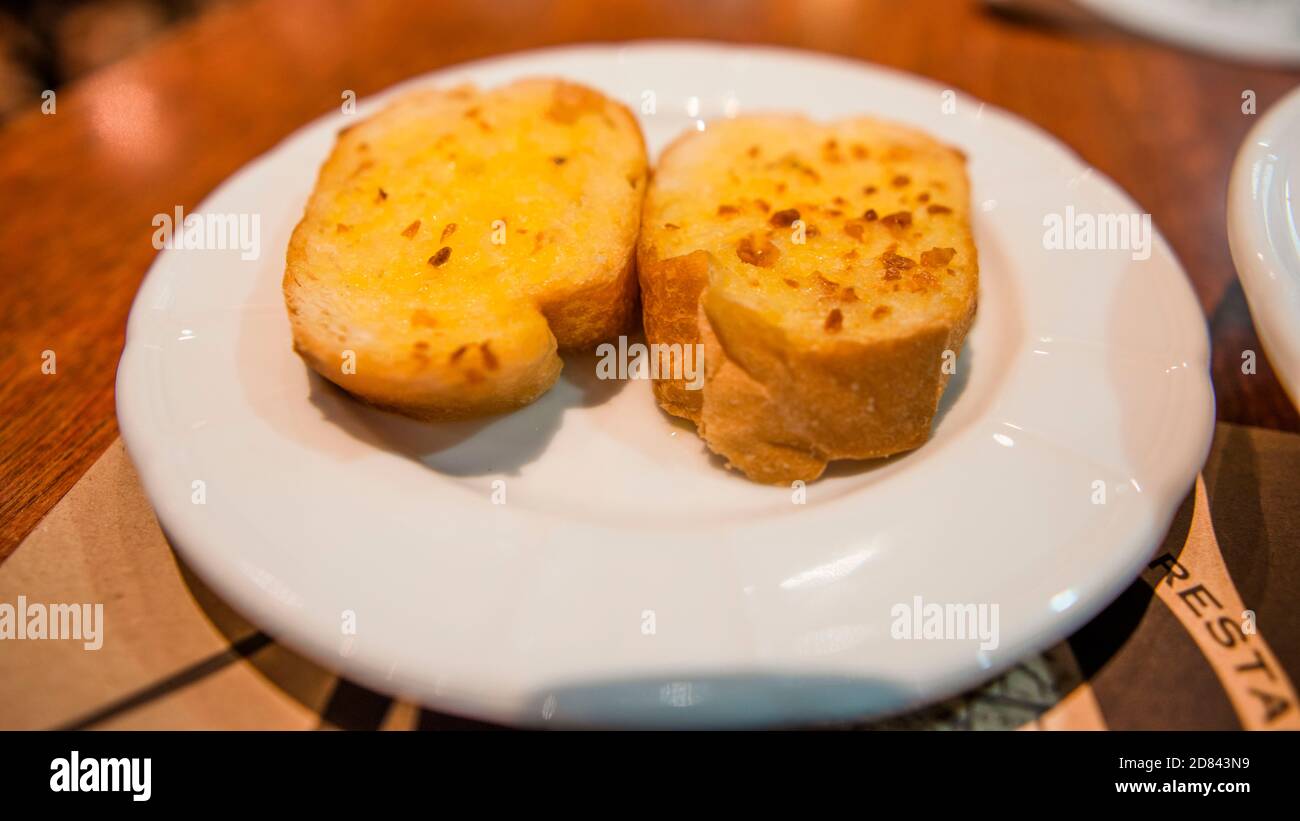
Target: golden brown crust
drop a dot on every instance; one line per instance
(670, 296)
(777, 406)
(583, 317)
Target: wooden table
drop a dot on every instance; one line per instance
(162, 128)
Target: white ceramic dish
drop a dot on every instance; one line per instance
(1258, 31)
(629, 579)
(1265, 234)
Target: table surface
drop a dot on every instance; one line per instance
(162, 128)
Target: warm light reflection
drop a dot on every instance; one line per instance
(127, 120)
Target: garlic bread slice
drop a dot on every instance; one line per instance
(456, 240)
(830, 273)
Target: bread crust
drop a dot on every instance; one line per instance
(774, 405)
(479, 330)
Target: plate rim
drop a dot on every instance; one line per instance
(1193, 36)
(1253, 255)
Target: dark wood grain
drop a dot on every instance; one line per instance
(164, 127)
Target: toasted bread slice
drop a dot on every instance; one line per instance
(826, 269)
(457, 239)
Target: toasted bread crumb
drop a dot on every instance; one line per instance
(899, 219)
(760, 252)
(784, 218)
(489, 358)
(936, 257)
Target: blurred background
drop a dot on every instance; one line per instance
(49, 43)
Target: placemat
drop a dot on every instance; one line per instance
(1184, 647)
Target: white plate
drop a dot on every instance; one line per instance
(629, 579)
(1265, 234)
(1254, 31)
